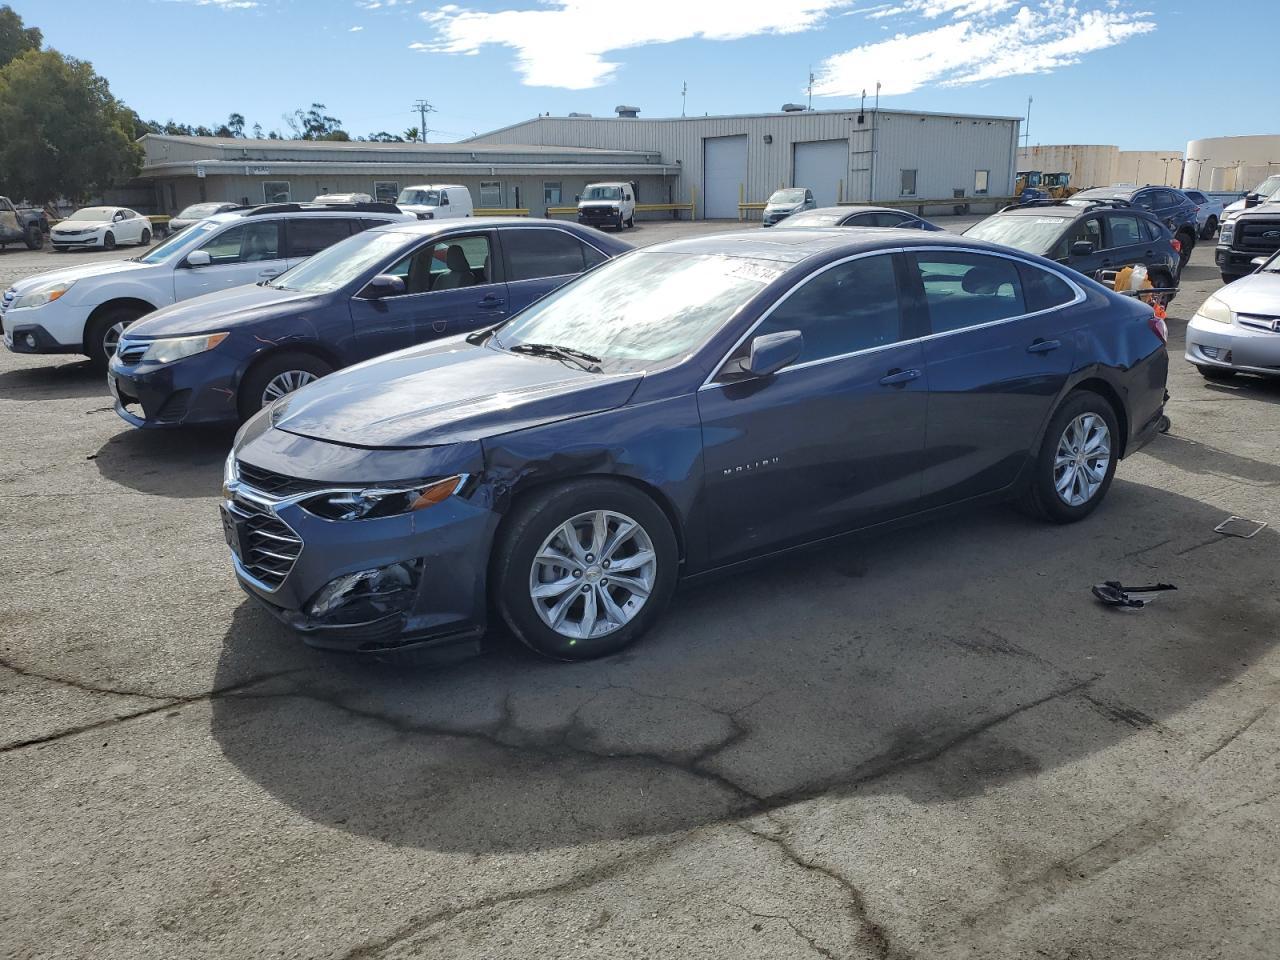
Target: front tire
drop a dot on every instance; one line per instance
(275, 377)
(109, 241)
(34, 238)
(1073, 469)
(584, 569)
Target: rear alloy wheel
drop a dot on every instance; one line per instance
(277, 377)
(146, 238)
(1217, 374)
(584, 569)
(109, 241)
(1077, 460)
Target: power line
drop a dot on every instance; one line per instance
(422, 108)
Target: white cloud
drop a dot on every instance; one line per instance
(354, 29)
(562, 43)
(978, 45)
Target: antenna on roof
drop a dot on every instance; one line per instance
(684, 90)
(810, 86)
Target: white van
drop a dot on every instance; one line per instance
(608, 205)
(436, 201)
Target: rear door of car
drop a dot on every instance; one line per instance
(540, 259)
(307, 236)
(432, 305)
(998, 354)
(245, 252)
(1127, 243)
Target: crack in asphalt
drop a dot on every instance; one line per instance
(812, 942)
(1227, 741)
(574, 884)
(167, 704)
(78, 684)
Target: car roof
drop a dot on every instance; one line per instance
(794, 246)
(324, 210)
(845, 209)
(428, 227)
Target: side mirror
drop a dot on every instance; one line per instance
(1083, 248)
(383, 285)
(578, 198)
(1252, 199)
(199, 258)
(771, 352)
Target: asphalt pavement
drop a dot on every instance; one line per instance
(931, 743)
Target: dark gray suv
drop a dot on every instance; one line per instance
(1171, 207)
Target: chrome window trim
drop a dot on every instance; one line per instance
(710, 381)
(487, 232)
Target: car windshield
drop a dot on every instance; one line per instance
(426, 197)
(787, 196)
(602, 193)
(1085, 197)
(95, 214)
(1272, 265)
(1269, 186)
(198, 211)
(812, 218)
(179, 242)
(1032, 234)
(338, 265)
(642, 309)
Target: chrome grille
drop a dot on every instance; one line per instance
(276, 484)
(130, 352)
(1257, 236)
(271, 547)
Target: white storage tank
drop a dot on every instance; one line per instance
(1231, 163)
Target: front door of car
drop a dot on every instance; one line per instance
(1087, 231)
(241, 254)
(998, 356)
(540, 259)
(452, 285)
(833, 441)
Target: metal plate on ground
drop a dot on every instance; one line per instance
(1240, 527)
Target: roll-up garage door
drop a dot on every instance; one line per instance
(821, 165)
(724, 169)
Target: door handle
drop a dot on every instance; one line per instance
(491, 301)
(897, 378)
(269, 273)
(1044, 346)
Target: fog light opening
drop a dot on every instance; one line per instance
(31, 340)
(368, 594)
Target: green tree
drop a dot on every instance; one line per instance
(235, 123)
(64, 133)
(383, 137)
(15, 39)
(412, 134)
(315, 124)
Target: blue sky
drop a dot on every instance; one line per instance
(1100, 71)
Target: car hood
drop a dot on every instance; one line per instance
(782, 207)
(416, 208)
(446, 392)
(222, 310)
(79, 225)
(82, 271)
(1257, 293)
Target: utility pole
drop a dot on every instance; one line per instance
(684, 91)
(1026, 129)
(422, 108)
(810, 86)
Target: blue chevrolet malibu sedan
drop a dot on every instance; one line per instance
(682, 409)
(222, 357)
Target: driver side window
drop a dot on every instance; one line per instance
(446, 265)
(245, 243)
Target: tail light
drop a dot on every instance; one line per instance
(1158, 326)
(1177, 245)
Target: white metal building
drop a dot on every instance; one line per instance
(178, 171)
(842, 155)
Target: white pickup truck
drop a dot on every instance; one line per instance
(608, 205)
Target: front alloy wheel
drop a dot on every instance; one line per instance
(1083, 458)
(592, 575)
(284, 383)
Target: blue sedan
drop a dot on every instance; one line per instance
(220, 358)
(679, 410)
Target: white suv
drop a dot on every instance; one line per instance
(84, 309)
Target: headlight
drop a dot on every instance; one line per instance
(175, 348)
(230, 474)
(374, 502)
(45, 293)
(1215, 309)
(1228, 230)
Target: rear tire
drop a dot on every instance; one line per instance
(34, 238)
(1216, 374)
(595, 616)
(1068, 477)
(103, 334)
(275, 377)
(1188, 239)
(1210, 228)
(631, 220)
(109, 241)
(146, 238)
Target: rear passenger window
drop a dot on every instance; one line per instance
(1044, 290)
(848, 308)
(591, 256)
(1124, 230)
(309, 235)
(533, 253)
(969, 289)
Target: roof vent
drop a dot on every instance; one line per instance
(794, 108)
(629, 112)
(579, 114)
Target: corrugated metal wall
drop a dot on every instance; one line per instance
(946, 150)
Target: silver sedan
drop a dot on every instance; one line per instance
(1237, 330)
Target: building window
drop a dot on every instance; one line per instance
(386, 191)
(908, 183)
(981, 182)
(551, 193)
(275, 191)
(490, 193)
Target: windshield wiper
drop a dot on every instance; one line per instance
(584, 360)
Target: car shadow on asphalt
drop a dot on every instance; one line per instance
(934, 663)
(1264, 389)
(1194, 273)
(179, 463)
(1195, 457)
(56, 381)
